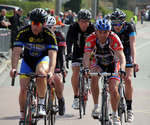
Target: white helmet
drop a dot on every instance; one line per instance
(51, 21)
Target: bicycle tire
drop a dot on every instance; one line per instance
(54, 108)
(48, 106)
(51, 107)
(121, 106)
(85, 95)
(27, 118)
(80, 99)
(104, 109)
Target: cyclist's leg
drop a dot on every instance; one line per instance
(129, 93)
(128, 85)
(75, 75)
(74, 81)
(113, 88)
(95, 90)
(42, 69)
(59, 87)
(24, 81)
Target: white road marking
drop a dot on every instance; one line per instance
(138, 47)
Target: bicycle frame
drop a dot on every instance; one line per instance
(105, 115)
(29, 118)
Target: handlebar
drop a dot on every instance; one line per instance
(132, 66)
(32, 75)
(13, 79)
(63, 73)
(103, 74)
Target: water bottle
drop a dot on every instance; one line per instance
(34, 103)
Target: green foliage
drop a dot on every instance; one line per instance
(28, 6)
(129, 15)
(73, 5)
(123, 4)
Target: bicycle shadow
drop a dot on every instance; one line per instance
(10, 118)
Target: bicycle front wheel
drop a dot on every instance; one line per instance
(81, 97)
(27, 118)
(122, 105)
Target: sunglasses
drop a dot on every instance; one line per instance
(37, 24)
(117, 24)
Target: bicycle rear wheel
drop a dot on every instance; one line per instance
(51, 107)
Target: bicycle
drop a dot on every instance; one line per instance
(29, 116)
(51, 102)
(106, 113)
(83, 87)
(122, 107)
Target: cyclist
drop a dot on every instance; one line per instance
(40, 50)
(109, 57)
(76, 36)
(127, 35)
(60, 63)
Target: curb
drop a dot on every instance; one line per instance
(4, 66)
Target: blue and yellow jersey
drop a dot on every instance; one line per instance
(36, 45)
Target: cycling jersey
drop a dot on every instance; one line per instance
(77, 38)
(124, 35)
(104, 56)
(104, 53)
(35, 46)
(126, 32)
(60, 36)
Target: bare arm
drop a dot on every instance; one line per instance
(5, 23)
(52, 55)
(133, 48)
(121, 57)
(86, 58)
(14, 59)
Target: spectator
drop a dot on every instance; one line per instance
(58, 19)
(11, 18)
(69, 16)
(65, 20)
(99, 16)
(48, 11)
(27, 20)
(52, 12)
(17, 23)
(142, 16)
(3, 21)
(135, 19)
(74, 16)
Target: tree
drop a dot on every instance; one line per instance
(73, 5)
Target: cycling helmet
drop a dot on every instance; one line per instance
(61, 14)
(51, 21)
(84, 14)
(102, 24)
(38, 15)
(118, 16)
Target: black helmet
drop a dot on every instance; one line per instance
(84, 14)
(38, 15)
(118, 16)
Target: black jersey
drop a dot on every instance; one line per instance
(35, 46)
(125, 33)
(60, 36)
(78, 38)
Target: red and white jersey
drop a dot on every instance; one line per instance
(105, 53)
